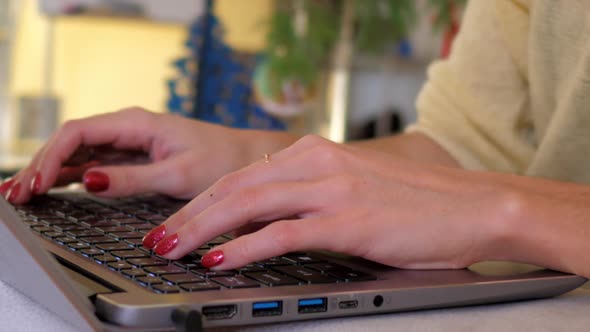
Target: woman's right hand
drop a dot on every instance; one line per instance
(134, 151)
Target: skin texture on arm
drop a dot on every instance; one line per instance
(412, 146)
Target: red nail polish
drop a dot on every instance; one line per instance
(212, 259)
(96, 181)
(154, 236)
(36, 184)
(12, 194)
(165, 246)
(5, 186)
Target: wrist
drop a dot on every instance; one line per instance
(541, 222)
(261, 142)
(505, 228)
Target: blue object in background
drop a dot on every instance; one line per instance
(214, 82)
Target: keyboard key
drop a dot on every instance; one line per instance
(91, 252)
(126, 235)
(236, 282)
(149, 280)
(104, 259)
(166, 289)
(128, 254)
(164, 269)
(275, 261)
(251, 268)
(98, 239)
(120, 265)
(67, 228)
(272, 278)
(84, 233)
(183, 278)
(42, 229)
(34, 223)
(53, 235)
(189, 263)
(133, 273)
(115, 215)
(307, 275)
(129, 221)
(58, 221)
(134, 242)
(140, 227)
(78, 245)
(199, 286)
(99, 222)
(142, 262)
(211, 274)
(113, 246)
(149, 216)
(326, 267)
(303, 259)
(65, 240)
(349, 276)
(111, 229)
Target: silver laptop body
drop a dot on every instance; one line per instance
(93, 297)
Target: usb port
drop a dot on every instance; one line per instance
(351, 304)
(306, 306)
(264, 309)
(219, 311)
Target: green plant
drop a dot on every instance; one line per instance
(295, 54)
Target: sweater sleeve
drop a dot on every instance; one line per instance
(475, 104)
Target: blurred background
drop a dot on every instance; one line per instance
(343, 69)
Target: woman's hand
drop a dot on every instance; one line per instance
(134, 151)
(317, 194)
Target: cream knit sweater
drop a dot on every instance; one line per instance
(515, 94)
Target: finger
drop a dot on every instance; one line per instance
(68, 175)
(251, 228)
(128, 180)
(303, 166)
(130, 129)
(276, 239)
(26, 181)
(255, 204)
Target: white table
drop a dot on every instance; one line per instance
(569, 312)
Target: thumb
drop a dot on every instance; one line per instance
(128, 180)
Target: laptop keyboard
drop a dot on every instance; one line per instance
(110, 232)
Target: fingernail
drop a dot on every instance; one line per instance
(154, 236)
(5, 186)
(36, 184)
(212, 259)
(96, 181)
(12, 194)
(165, 246)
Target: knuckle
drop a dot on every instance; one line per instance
(70, 126)
(311, 139)
(134, 110)
(284, 235)
(344, 183)
(249, 198)
(143, 116)
(244, 251)
(328, 155)
(228, 183)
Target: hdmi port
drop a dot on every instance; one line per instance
(219, 311)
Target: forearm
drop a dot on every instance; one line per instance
(545, 223)
(412, 146)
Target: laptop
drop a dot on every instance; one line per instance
(81, 257)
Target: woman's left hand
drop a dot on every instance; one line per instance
(319, 195)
